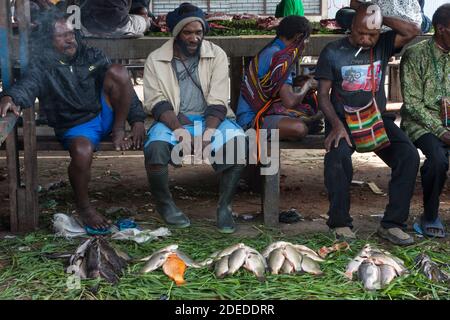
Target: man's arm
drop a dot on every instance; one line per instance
(413, 96)
(136, 118)
(338, 130)
(405, 30)
(289, 98)
(23, 93)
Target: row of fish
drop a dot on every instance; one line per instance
(279, 257)
(375, 267)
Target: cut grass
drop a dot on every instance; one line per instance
(30, 275)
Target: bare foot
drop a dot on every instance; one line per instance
(120, 141)
(90, 217)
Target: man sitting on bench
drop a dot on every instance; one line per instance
(186, 89)
(90, 99)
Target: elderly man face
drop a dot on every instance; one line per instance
(64, 40)
(366, 27)
(190, 38)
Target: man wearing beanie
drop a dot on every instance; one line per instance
(186, 90)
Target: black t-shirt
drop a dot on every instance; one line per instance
(352, 82)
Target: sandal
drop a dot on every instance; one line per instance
(426, 228)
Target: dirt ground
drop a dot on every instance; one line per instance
(119, 181)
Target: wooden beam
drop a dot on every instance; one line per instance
(30, 162)
(12, 160)
(236, 68)
(6, 126)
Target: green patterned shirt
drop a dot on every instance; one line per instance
(422, 89)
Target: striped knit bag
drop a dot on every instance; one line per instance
(366, 124)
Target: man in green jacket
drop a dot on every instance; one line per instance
(425, 80)
(289, 8)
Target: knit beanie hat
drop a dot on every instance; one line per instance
(184, 14)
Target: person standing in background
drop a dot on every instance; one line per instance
(289, 8)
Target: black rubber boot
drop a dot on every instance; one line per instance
(159, 187)
(228, 183)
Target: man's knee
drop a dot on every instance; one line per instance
(81, 152)
(439, 164)
(293, 130)
(300, 129)
(341, 154)
(117, 73)
(411, 158)
(157, 153)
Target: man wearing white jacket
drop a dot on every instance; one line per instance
(186, 89)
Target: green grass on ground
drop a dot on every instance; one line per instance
(25, 272)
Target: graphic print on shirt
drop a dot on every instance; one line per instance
(359, 77)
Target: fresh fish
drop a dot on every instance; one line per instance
(169, 248)
(228, 251)
(279, 244)
(294, 257)
(369, 274)
(304, 250)
(314, 257)
(187, 260)
(221, 267)
(174, 267)
(431, 269)
(254, 264)
(310, 266)
(256, 252)
(206, 263)
(357, 261)
(96, 258)
(92, 261)
(276, 260)
(383, 259)
(156, 260)
(237, 260)
(387, 274)
(287, 267)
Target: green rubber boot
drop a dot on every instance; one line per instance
(228, 183)
(159, 187)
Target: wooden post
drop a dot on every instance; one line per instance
(395, 92)
(29, 221)
(271, 199)
(12, 153)
(236, 68)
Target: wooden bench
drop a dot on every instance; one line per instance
(46, 141)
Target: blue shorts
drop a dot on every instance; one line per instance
(227, 130)
(95, 129)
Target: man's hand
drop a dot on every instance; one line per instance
(337, 133)
(137, 135)
(120, 141)
(6, 103)
(186, 139)
(446, 138)
(312, 84)
(207, 137)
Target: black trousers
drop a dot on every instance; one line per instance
(401, 156)
(433, 172)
